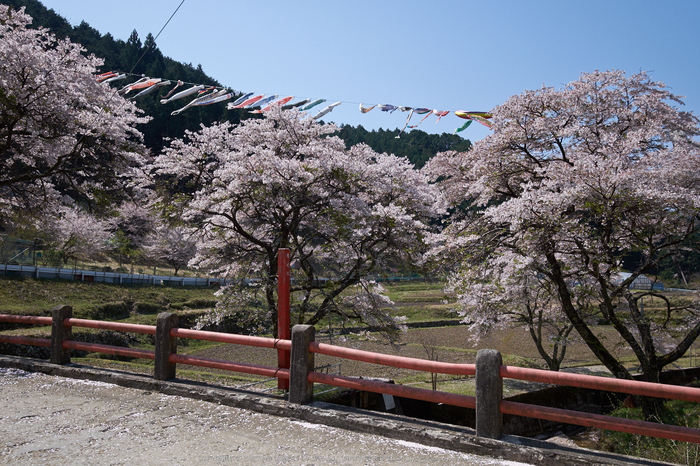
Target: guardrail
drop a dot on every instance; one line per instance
(489, 372)
(31, 271)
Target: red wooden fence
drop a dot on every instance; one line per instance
(284, 374)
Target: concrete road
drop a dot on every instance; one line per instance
(55, 420)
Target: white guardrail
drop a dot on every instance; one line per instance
(106, 277)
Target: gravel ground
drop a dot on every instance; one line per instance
(54, 420)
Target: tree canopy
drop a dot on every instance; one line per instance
(569, 183)
(416, 145)
(64, 138)
(283, 181)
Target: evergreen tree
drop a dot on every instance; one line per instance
(146, 59)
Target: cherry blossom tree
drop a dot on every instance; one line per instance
(133, 223)
(76, 234)
(569, 184)
(509, 294)
(172, 245)
(285, 182)
(62, 134)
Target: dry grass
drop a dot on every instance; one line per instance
(454, 346)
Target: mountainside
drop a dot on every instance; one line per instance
(416, 145)
(146, 59)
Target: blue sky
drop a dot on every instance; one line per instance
(447, 55)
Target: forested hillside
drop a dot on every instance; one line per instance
(123, 56)
(417, 146)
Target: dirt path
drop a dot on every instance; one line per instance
(54, 420)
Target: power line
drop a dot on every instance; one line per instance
(157, 35)
(102, 110)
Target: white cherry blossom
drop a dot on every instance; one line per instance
(285, 182)
(61, 132)
(569, 185)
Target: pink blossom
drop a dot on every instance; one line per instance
(286, 182)
(61, 133)
(568, 185)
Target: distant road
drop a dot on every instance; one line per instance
(54, 420)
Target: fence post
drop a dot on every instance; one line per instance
(283, 317)
(489, 391)
(301, 391)
(165, 345)
(59, 334)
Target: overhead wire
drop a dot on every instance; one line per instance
(131, 72)
(156, 37)
(115, 93)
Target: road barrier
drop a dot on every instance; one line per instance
(57, 273)
(301, 376)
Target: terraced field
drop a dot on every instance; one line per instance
(424, 304)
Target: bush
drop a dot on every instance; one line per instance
(109, 311)
(679, 413)
(102, 337)
(199, 303)
(148, 308)
(53, 258)
(188, 319)
(106, 337)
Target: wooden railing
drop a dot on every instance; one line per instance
(300, 374)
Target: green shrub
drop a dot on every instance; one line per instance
(102, 337)
(108, 311)
(148, 308)
(188, 319)
(106, 337)
(199, 303)
(679, 413)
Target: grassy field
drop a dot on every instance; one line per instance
(38, 297)
(418, 301)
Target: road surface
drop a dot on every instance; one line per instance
(54, 420)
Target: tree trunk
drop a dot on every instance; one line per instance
(603, 355)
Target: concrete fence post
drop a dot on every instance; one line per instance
(59, 334)
(489, 392)
(165, 345)
(301, 391)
